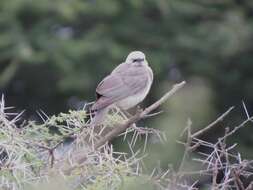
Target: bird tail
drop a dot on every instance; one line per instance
(99, 117)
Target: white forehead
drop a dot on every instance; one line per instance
(136, 55)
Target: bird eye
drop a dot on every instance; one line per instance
(137, 60)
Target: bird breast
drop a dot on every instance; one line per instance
(138, 97)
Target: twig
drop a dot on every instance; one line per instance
(153, 114)
(215, 175)
(211, 125)
(238, 182)
(187, 146)
(235, 129)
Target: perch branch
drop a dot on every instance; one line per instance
(138, 116)
(117, 130)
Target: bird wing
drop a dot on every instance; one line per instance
(119, 85)
(110, 90)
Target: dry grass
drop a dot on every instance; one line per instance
(64, 152)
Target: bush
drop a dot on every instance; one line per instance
(65, 152)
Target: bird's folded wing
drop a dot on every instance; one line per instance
(117, 87)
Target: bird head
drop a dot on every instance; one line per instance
(136, 58)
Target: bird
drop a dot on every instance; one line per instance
(125, 87)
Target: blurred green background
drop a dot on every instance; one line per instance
(54, 53)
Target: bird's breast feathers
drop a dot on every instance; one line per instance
(140, 94)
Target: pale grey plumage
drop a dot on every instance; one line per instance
(125, 87)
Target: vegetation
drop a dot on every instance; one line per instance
(76, 156)
(68, 42)
(53, 54)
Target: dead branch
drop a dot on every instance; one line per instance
(211, 125)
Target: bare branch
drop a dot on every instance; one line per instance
(211, 125)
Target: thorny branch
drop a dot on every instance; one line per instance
(219, 159)
(140, 114)
(211, 125)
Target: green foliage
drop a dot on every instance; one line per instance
(77, 39)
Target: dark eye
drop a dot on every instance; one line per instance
(138, 60)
